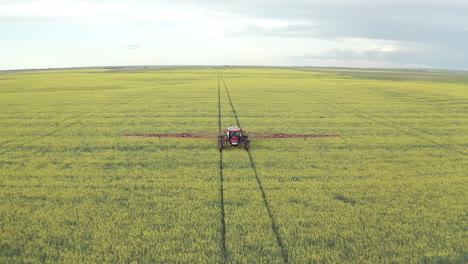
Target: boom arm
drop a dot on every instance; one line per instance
(282, 135)
(215, 135)
(181, 135)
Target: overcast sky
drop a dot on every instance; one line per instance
(352, 33)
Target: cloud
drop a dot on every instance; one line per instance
(132, 47)
(432, 33)
(375, 52)
(380, 19)
(416, 56)
(90, 12)
(409, 20)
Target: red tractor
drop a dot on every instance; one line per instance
(235, 137)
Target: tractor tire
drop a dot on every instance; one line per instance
(247, 145)
(220, 144)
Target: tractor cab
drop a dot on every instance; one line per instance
(235, 135)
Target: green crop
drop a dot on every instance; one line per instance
(391, 189)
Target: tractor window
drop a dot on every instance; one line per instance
(237, 134)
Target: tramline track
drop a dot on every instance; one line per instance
(221, 184)
(274, 225)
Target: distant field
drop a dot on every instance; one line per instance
(402, 75)
(391, 189)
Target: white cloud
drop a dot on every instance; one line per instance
(79, 12)
(132, 47)
(381, 49)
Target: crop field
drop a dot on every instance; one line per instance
(391, 189)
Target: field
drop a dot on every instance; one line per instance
(391, 189)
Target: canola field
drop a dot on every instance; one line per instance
(391, 189)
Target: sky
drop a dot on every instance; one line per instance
(326, 33)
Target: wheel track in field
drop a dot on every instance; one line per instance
(274, 225)
(388, 123)
(221, 187)
(81, 117)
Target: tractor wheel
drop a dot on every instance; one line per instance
(247, 145)
(220, 144)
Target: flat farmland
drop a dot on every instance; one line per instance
(390, 189)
